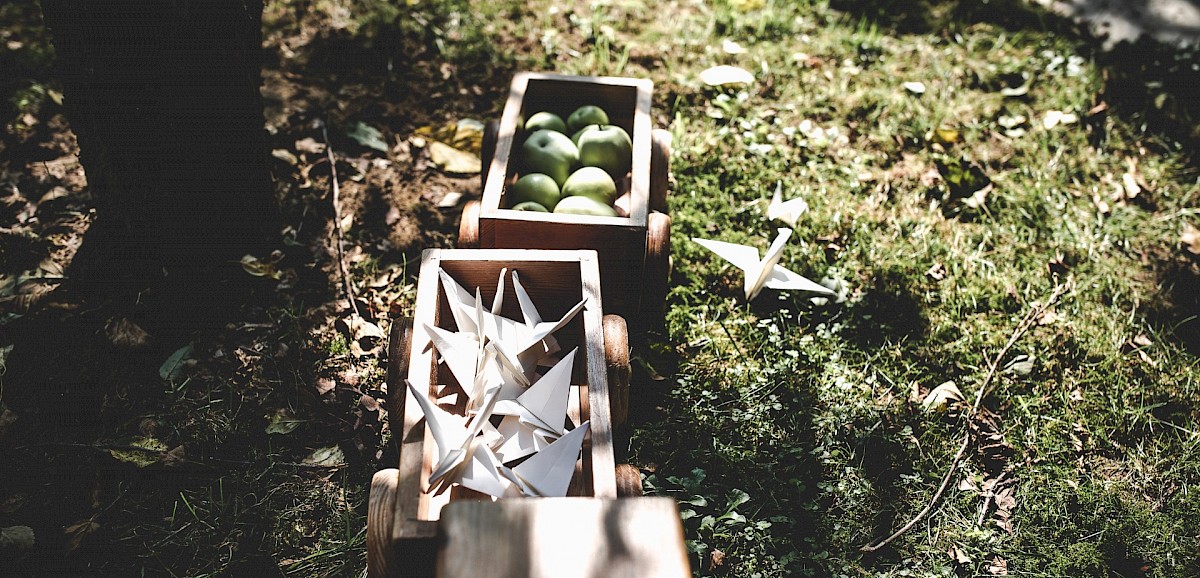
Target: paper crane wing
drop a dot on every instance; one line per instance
(781, 278)
(460, 352)
(461, 302)
(764, 272)
(528, 311)
(544, 329)
(521, 440)
(544, 405)
(740, 256)
(482, 472)
(786, 211)
(449, 430)
(498, 300)
(548, 472)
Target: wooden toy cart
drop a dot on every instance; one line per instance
(402, 519)
(635, 250)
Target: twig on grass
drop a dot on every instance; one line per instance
(1028, 321)
(337, 222)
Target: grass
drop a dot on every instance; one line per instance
(791, 430)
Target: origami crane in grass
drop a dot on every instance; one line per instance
(764, 272)
(787, 211)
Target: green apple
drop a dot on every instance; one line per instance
(535, 187)
(583, 205)
(550, 153)
(591, 182)
(607, 147)
(579, 133)
(547, 121)
(585, 115)
(530, 206)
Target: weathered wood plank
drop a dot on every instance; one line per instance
(562, 538)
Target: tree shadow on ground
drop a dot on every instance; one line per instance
(1177, 309)
(1150, 84)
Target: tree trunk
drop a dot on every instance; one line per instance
(164, 97)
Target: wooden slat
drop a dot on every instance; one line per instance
(562, 538)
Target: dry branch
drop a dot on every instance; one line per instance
(337, 223)
(1028, 321)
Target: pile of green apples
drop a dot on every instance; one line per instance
(575, 174)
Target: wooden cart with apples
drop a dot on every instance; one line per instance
(635, 249)
(402, 519)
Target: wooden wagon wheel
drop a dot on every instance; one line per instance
(381, 513)
(487, 149)
(660, 169)
(658, 266)
(399, 344)
(629, 481)
(616, 358)
(468, 226)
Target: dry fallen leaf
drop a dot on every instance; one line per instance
(285, 156)
(1190, 239)
(1053, 118)
(126, 334)
(142, 451)
(259, 268)
(331, 456)
(310, 145)
(942, 397)
(997, 567)
(365, 337)
(19, 538)
(283, 421)
(324, 385)
(454, 161)
(716, 559)
(958, 555)
(726, 74)
(731, 47)
(77, 532)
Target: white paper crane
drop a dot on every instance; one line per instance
(548, 472)
(764, 272)
(536, 418)
(463, 457)
(787, 211)
(494, 358)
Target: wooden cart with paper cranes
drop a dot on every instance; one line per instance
(634, 250)
(402, 520)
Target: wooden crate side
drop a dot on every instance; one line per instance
(557, 280)
(599, 462)
(410, 521)
(621, 251)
